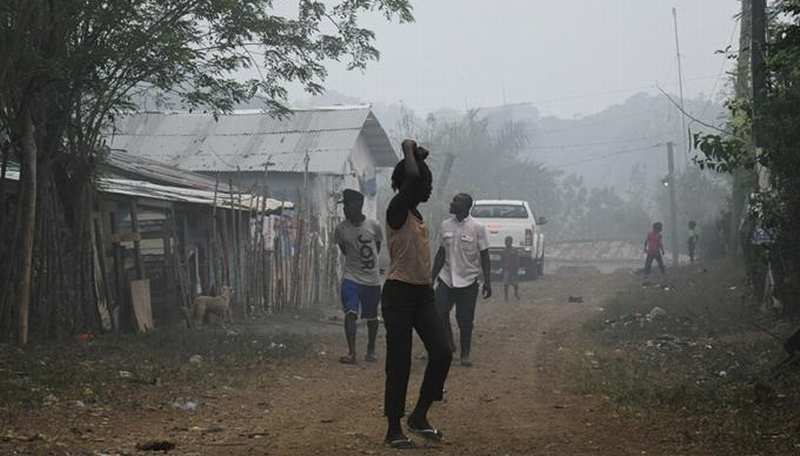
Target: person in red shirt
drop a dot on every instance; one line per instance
(654, 248)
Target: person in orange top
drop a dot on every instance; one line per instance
(408, 302)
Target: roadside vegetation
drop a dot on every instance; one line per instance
(120, 371)
(691, 356)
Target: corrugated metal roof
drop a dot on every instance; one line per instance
(246, 140)
(185, 195)
(117, 163)
(143, 189)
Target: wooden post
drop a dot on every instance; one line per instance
(28, 191)
(120, 279)
(742, 91)
(137, 252)
(758, 67)
(212, 245)
(673, 208)
(99, 274)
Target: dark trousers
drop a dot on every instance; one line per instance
(692, 249)
(464, 300)
(648, 263)
(406, 307)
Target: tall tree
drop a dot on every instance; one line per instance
(775, 206)
(67, 66)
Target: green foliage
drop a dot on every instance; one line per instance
(68, 67)
(776, 205)
(84, 59)
(725, 153)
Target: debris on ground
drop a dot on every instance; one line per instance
(186, 406)
(125, 374)
(575, 299)
(208, 430)
(10, 436)
(50, 399)
(156, 445)
(690, 349)
(195, 359)
(274, 346)
(655, 313)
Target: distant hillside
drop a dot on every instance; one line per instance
(604, 147)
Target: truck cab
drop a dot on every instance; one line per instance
(513, 218)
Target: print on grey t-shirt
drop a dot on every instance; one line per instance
(361, 252)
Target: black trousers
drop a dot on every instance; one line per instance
(406, 307)
(648, 263)
(464, 300)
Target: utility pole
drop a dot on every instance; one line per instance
(743, 92)
(267, 164)
(306, 199)
(680, 86)
(758, 66)
(673, 208)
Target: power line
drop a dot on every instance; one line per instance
(683, 111)
(588, 144)
(597, 94)
(602, 157)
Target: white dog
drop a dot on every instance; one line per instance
(217, 305)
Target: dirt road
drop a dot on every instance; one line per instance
(512, 402)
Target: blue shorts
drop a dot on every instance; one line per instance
(361, 298)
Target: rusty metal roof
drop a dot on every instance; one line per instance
(144, 189)
(118, 163)
(246, 140)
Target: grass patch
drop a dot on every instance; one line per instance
(699, 366)
(98, 371)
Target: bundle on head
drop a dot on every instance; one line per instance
(399, 174)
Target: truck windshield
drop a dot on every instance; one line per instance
(499, 211)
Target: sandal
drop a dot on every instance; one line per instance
(348, 360)
(430, 434)
(400, 443)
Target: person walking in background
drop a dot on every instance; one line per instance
(408, 302)
(693, 238)
(510, 262)
(654, 248)
(463, 255)
(359, 240)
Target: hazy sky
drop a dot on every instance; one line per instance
(569, 57)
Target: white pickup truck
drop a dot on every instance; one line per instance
(516, 219)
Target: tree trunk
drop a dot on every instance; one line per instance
(28, 192)
(740, 187)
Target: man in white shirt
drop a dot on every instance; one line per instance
(460, 261)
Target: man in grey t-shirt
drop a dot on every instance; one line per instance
(359, 239)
